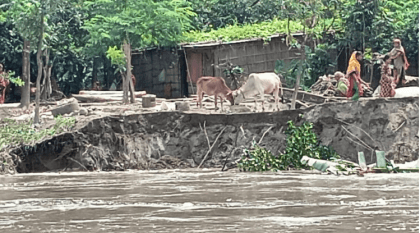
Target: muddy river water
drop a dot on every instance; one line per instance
(208, 201)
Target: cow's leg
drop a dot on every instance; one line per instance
(215, 102)
(276, 97)
(221, 102)
(200, 95)
(255, 101)
(262, 100)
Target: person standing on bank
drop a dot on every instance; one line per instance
(400, 62)
(387, 82)
(355, 89)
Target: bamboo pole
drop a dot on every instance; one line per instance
(188, 71)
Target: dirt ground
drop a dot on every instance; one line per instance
(98, 110)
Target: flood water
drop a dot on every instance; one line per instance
(208, 201)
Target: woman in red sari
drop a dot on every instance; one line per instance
(387, 82)
(3, 84)
(355, 89)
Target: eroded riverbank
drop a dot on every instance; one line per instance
(178, 140)
(208, 201)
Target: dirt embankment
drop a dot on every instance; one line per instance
(177, 140)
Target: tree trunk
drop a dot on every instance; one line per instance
(106, 72)
(124, 80)
(293, 106)
(26, 75)
(49, 87)
(300, 72)
(94, 73)
(45, 90)
(127, 82)
(38, 78)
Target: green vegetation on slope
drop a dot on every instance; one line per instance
(13, 133)
(301, 141)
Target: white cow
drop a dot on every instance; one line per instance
(259, 83)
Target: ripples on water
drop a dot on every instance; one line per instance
(208, 201)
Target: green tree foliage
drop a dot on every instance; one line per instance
(214, 14)
(30, 18)
(73, 63)
(72, 59)
(358, 24)
(308, 13)
(117, 58)
(410, 38)
(142, 23)
(11, 50)
(136, 23)
(23, 14)
(405, 25)
(374, 24)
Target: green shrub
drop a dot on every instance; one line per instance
(301, 141)
(259, 159)
(16, 80)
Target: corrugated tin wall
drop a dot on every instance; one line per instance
(158, 72)
(195, 65)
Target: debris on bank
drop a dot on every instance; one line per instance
(336, 167)
(343, 167)
(103, 96)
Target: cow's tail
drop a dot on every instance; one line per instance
(281, 92)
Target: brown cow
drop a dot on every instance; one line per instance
(213, 86)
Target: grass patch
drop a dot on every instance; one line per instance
(14, 133)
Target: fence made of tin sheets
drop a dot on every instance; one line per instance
(160, 72)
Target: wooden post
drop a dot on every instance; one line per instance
(44, 89)
(127, 83)
(130, 81)
(300, 72)
(38, 78)
(94, 72)
(188, 73)
(49, 87)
